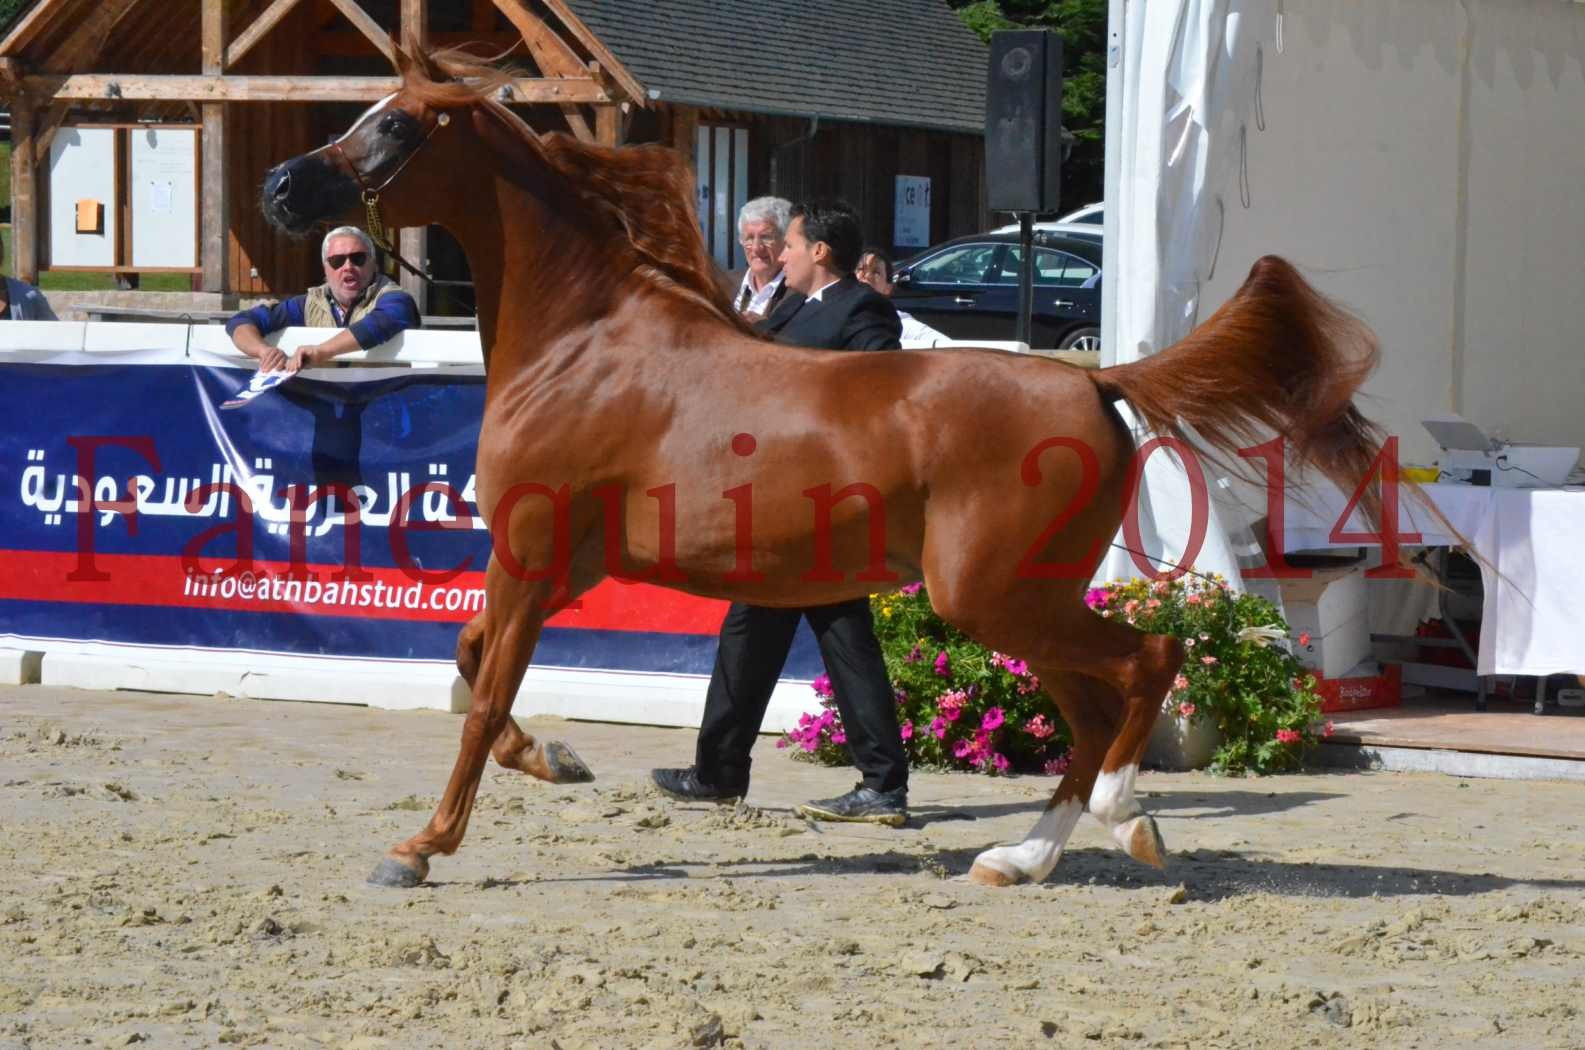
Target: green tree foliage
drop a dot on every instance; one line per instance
(9, 9)
(1082, 26)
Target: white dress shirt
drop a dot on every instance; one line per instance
(917, 332)
(815, 298)
(750, 301)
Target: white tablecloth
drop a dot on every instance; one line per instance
(1533, 545)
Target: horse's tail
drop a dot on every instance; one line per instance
(1278, 355)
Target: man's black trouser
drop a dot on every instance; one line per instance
(753, 648)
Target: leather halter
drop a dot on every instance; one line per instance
(371, 197)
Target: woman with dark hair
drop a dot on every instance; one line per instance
(875, 270)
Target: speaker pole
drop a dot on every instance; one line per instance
(1026, 275)
(1023, 140)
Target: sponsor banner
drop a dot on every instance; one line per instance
(133, 510)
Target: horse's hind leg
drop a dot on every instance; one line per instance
(515, 611)
(1143, 677)
(1092, 711)
(1138, 668)
(549, 760)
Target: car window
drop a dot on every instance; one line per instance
(1052, 268)
(964, 265)
(1062, 269)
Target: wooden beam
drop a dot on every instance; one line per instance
(415, 24)
(608, 125)
(414, 246)
(553, 55)
(684, 130)
(45, 127)
(24, 193)
(361, 21)
(86, 86)
(212, 39)
(87, 40)
(215, 221)
(24, 31)
(578, 124)
(268, 20)
(215, 217)
(633, 89)
(350, 42)
(413, 241)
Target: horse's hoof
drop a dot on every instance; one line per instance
(563, 766)
(985, 875)
(399, 875)
(1141, 840)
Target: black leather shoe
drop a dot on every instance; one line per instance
(862, 804)
(686, 785)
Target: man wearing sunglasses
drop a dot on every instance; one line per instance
(367, 306)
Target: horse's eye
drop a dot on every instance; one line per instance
(398, 125)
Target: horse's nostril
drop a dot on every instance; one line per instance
(281, 185)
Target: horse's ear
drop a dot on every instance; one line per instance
(416, 65)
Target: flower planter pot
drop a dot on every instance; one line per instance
(1179, 743)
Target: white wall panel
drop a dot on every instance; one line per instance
(1438, 196)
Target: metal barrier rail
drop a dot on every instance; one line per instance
(416, 348)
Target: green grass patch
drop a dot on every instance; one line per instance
(73, 281)
(79, 281)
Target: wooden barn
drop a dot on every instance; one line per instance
(141, 128)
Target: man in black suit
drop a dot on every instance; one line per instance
(828, 308)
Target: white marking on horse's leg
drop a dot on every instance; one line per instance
(1034, 857)
(1113, 803)
(1112, 799)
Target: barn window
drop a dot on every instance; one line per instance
(721, 187)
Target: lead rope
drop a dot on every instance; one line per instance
(375, 222)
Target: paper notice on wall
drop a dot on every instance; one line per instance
(161, 197)
(912, 228)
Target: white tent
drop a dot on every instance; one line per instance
(1420, 160)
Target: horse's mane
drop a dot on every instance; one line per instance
(646, 191)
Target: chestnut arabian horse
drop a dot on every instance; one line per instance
(635, 427)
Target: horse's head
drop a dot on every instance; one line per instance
(388, 154)
(444, 149)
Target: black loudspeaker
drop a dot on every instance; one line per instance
(1023, 121)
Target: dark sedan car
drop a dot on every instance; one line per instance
(968, 288)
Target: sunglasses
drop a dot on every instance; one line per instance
(336, 262)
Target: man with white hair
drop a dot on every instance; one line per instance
(762, 233)
(368, 306)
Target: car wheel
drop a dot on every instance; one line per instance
(1082, 339)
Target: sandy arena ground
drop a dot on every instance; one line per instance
(186, 873)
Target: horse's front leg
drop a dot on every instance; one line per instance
(515, 610)
(550, 760)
